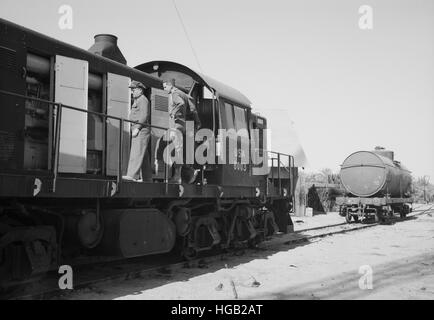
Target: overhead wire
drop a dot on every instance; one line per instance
(187, 36)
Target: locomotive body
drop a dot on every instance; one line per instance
(65, 139)
(376, 185)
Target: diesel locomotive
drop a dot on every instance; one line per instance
(376, 186)
(64, 147)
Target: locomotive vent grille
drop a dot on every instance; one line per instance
(161, 103)
(8, 141)
(8, 58)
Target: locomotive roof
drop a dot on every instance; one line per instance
(222, 89)
(38, 40)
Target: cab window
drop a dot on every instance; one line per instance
(241, 121)
(227, 115)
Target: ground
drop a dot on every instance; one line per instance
(400, 256)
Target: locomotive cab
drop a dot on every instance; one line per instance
(224, 112)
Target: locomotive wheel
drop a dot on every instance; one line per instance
(356, 218)
(404, 211)
(281, 215)
(189, 253)
(182, 250)
(253, 243)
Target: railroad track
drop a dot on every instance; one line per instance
(323, 231)
(141, 267)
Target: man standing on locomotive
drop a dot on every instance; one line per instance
(138, 164)
(180, 105)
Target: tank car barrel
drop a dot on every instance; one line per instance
(370, 173)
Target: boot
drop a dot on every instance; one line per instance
(189, 174)
(176, 178)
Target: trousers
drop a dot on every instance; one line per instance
(139, 159)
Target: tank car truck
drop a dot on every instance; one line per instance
(376, 186)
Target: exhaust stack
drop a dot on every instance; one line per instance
(106, 45)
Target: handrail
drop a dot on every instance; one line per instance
(280, 164)
(121, 131)
(56, 146)
(283, 166)
(281, 153)
(78, 109)
(57, 112)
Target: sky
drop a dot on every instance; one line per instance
(305, 64)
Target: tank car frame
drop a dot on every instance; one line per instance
(356, 209)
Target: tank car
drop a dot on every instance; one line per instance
(376, 186)
(64, 147)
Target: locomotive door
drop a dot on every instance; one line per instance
(12, 64)
(71, 86)
(118, 105)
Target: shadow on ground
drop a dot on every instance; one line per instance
(339, 286)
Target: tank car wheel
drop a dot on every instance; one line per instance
(348, 217)
(377, 218)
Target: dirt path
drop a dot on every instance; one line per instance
(400, 256)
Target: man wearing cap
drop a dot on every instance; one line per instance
(140, 133)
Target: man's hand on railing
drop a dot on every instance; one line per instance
(135, 132)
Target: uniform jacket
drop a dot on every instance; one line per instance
(181, 107)
(178, 104)
(140, 112)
